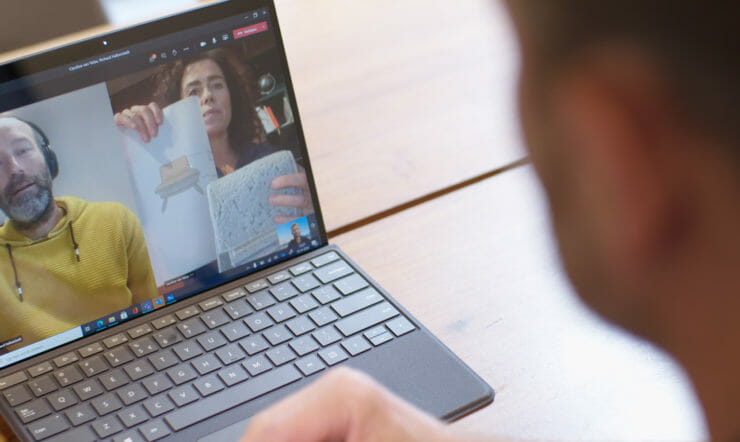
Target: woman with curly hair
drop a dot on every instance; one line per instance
(227, 105)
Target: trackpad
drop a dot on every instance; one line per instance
(231, 433)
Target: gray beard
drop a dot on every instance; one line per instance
(30, 208)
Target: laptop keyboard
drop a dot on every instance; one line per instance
(156, 378)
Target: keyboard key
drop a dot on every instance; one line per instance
(129, 436)
(191, 327)
(187, 312)
(215, 318)
(206, 364)
(158, 405)
(154, 430)
(91, 349)
(143, 346)
(356, 345)
(62, 399)
(303, 346)
(92, 366)
(351, 284)
(324, 259)
(284, 291)
(208, 385)
(65, 359)
(212, 340)
(13, 379)
(261, 300)
(234, 294)
(138, 369)
(253, 344)
(301, 268)
(232, 375)
(333, 355)
(183, 395)
(88, 389)
(326, 336)
(300, 325)
(231, 397)
(278, 277)
(333, 271)
(257, 365)
(277, 335)
(258, 321)
(230, 354)
(131, 394)
(118, 356)
(107, 426)
(256, 286)
(113, 379)
(157, 384)
(323, 316)
(378, 335)
(280, 313)
(17, 395)
(280, 355)
(235, 331)
(139, 331)
(168, 336)
(238, 309)
(163, 322)
(305, 282)
(80, 414)
(44, 367)
(310, 365)
(68, 376)
(163, 359)
(187, 350)
(210, 304)
(181, 374)
(33, 410)
(106, 404)
(366, 318)
(132, 416)
(358, 301)
(115, 340)
(400, 326)
(304, 303)
(326, 294)
(81, 434)
(48, 427)
(42, 385)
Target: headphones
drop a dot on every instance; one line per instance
(51, 158)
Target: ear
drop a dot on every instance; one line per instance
(612, 115)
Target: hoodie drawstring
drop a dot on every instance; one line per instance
(15, 273)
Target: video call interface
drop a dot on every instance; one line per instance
(165, 181)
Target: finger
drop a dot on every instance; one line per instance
(140, 127)
(147, 116)
(157, 112)
(295, 201)
(293, 180)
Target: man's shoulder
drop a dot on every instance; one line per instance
(78, 207)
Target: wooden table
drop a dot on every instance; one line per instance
(409, 112)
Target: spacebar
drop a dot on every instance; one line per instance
(231, 397)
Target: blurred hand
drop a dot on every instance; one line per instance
(143, 119)
(301, 200)
(345, 405)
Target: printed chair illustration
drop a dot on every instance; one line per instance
(177, 177)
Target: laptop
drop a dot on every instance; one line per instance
(181, 289)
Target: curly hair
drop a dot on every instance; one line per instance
(245, 128)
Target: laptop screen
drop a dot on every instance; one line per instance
(143, 167)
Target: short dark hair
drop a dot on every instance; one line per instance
(694, 43)
(245, 128)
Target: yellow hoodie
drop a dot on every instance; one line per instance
(60, 291)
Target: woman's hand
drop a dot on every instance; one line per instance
(301, 200)
(143, 119)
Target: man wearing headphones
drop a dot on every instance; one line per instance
(67, 261)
